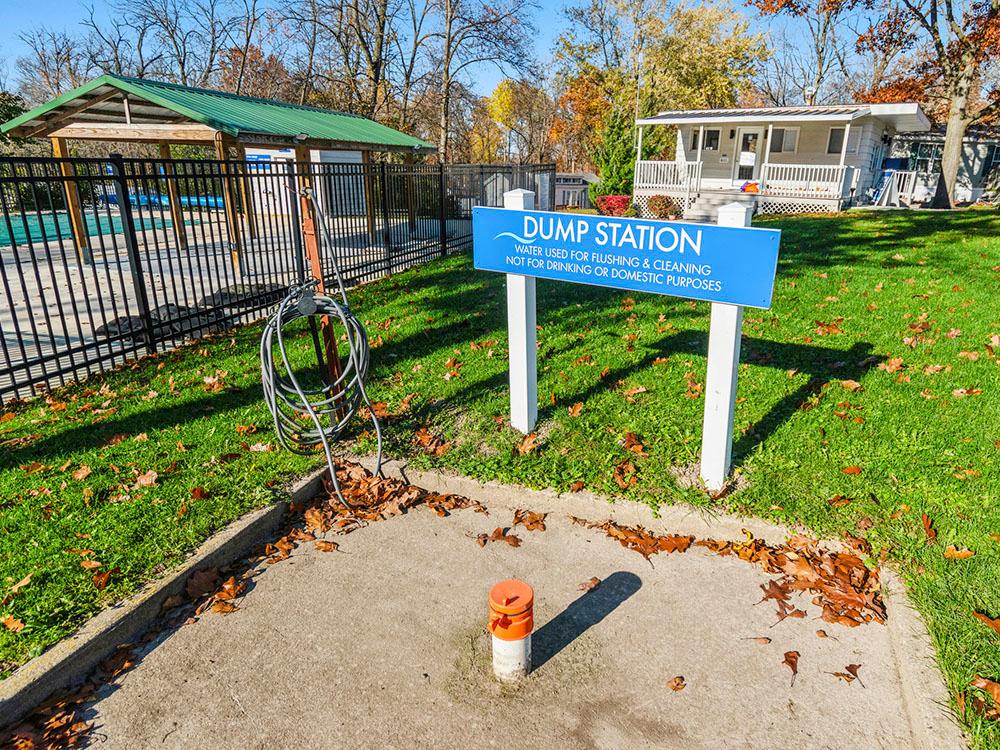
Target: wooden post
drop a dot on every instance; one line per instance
(174, 196)
(246, 199)
(70, 190)
(307, 218)
(366, 159)
(232, 217)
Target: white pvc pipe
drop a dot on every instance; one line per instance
(511, 659)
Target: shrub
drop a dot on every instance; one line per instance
(664, 206)
(614, 205)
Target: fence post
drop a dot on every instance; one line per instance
(293, 210)
(132, 248)
(386, 229)
(442, 209)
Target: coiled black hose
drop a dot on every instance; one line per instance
(306, 419)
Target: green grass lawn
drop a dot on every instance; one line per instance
(903, 304)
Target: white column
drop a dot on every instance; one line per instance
(723, 368)
(701, 138)
(843, 147)
(767, 156)
(521, 333)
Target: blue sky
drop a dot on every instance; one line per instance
(19, 16)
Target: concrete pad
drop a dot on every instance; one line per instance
(384, 645)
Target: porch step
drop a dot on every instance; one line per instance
(706, 206)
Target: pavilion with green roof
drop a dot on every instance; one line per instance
(116, 108)
(133, 110)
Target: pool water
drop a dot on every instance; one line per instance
(54, 224)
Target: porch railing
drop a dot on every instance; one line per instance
(906, 183)
(674, 176)
(806, 180)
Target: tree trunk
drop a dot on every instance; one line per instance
(951, 154)
(445, 114)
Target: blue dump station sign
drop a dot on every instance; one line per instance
(735, 265)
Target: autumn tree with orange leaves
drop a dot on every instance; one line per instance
(953, 42)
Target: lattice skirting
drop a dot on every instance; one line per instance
(641, 201)
(777, 205)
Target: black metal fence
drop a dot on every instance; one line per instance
(164, 251)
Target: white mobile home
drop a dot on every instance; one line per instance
(780, 159)
(919, 155)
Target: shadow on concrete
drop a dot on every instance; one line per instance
(585, 612)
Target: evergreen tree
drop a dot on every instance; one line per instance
(11, 106)
(614, 155)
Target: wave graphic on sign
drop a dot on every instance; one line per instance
(513, 237)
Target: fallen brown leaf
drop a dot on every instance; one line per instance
(12, 624)
(589, 585)
(530, 521)
(322, 545)
(929, 529)
(953, 553)
(677, 683)
(791, 660)
(989, 686)
(851, 470)
(528, 444)
(988, 622)
(82, 473)
(224, 608)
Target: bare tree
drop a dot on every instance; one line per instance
(478, 32)
(55, 63)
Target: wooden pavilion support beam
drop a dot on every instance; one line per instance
(60, 115)
(138, 133)
(80, 237)
(245, 197)
(310, 242)
(174, 195)
(229, 207)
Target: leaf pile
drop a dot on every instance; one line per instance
(848, 592)
(372, 498)
(637, 538)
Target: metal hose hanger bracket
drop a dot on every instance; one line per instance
(307, 419)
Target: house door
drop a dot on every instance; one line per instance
(746, 160)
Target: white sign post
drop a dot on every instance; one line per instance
(521, 333)
(723, 366)
(745, 275)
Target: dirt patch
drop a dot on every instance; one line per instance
(688, 476)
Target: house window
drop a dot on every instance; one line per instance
(712, 138)
(835, 143)
(784, 140)
(926, 157)
(992, 159)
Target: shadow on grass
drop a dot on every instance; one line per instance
(582, 614)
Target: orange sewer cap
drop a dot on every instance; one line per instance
(511, 597)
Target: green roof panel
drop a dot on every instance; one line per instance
(242, 115)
